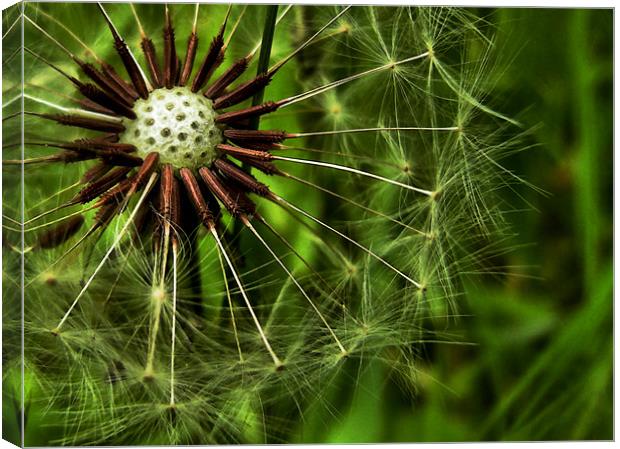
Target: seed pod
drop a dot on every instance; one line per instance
(170, 53)
(195, 195)
(236, 116)
(241, 177)
(269, 168)
(210, 62)
(190, 55)
(107, 84)
(100, 186)
(244, 152)
(120, 82)
(252, 136)
(95, 94)
(223, 193)
(228, 77)
(86, 122)
(151, 59)
(95, 172)
(243, 92)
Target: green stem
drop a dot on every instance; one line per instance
(263, 66)
(265, 55)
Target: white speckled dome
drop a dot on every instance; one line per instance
(176, 123)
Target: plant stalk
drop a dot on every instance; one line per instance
(263, 66)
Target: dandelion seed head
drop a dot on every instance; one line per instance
(176, 123)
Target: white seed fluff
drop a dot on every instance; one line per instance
(176, 123)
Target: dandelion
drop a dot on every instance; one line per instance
(162, 310)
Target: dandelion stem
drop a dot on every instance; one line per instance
(354, 203)
(326, 87)
(353, 170)
(281, 200)
(234, 27)
(174, 320)
(138, 22)
(230, 306)
(70, 32)
(72, 214)
(278, 363)
(299, 287)
(75, 111)
(363, 130)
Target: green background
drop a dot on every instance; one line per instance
(535, 353)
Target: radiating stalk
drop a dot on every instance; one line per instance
(120, 235)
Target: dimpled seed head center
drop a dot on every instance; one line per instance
(176, 123)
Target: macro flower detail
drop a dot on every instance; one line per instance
(200, 272)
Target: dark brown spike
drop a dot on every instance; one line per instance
(132, 68)
(170, 198)
(95, 107)
(175, 206)
(110, 137)
(244, 152)
(148, 48)
(115, 195)
(190, 56)
(243, 92)
(236, 116)
(112, 153)
(251, 135)
(98, 145)
(227, 78)
(61, 233)
(119, 158)
(85, 122)
(144, 172)
(100, 186)
(211, 201)
(170, 52)
(234, 203)
(119, 81)
(107, 84)
(166, 192)
(64, 156)
(73, 156)
(262, 146)
(95, 172)
(177, 70)
(195, 195)
(269, 168)
(242, 199)
(105, 214)
(143, 222)
(95, 94)
(89, 90)
(241, 177)
(214, 58)
(130, 64)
